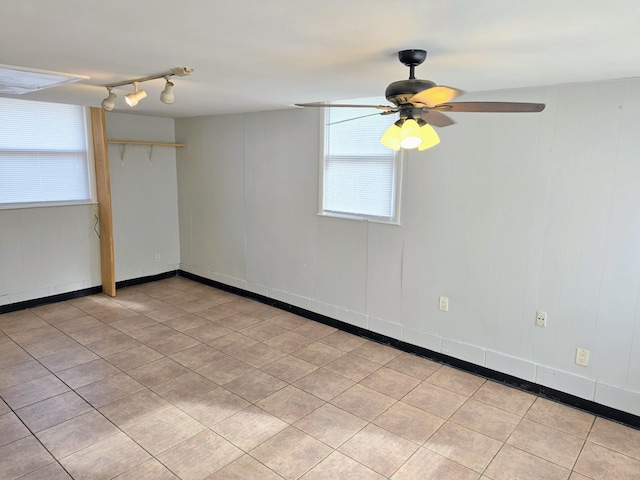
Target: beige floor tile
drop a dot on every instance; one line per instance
(413, 365)
(184, 387)
(133, 357)
(11, 429)
(366, 447)
(33, 391)
(50, 346)
(135, 408)
(77, 433)
(13, 356)
(409, 422)
(457, 381)
(154, 332)
(343, 340)
(232, 343)
(504, 397)
(324, 383)
(288, 321)
(331, 425)
(34, 335)
(6, 342)
(434, 399)
(363, 402)
(198, 356)
(575, 476)
(318, 353)
(213, 407)
(260, 354)
(52, 411)
(352, 366)
(22, 457)
(339, 466)
(208, 332)
(157, 372)
(390, 382)
(289, 368)
(80, 323)
(425, 464)
(114, 314)
(187, 322)
(314, 330)
(290, 403)
(561, 417)
(464, 446)
(511, 463)
(105, 460)
(546, 442)
(245, 468)
(289, 342)
(166, 313)
(376, 352)
(291, 453)
(249, 427)
(173, 344)
(131, 324)
(263, 331)
(195, 305)
(600, 463)
(109, 390)
(21, 373)
(53, 471)
(255, 385)
(486, 419)
(200, 456)
(55, 312)
(225, 369)
(149, 470)
(616, 437)
(166, 429)
(4, 408)
(68, 358)
(10, 326)
(237, 321)
(113, 344)
(87, 373)
(94, 334)
(216, 313)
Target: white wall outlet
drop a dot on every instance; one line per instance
(541, 319)
(443, 304)
(157, 257)
(582, 357)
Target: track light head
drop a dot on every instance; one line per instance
(109, 103)
(132, 99)
(167, 94)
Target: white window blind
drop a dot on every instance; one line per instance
(360, 175)
(43, 153)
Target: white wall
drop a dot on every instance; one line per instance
(47, 251)
(508, 215)
(144, 196)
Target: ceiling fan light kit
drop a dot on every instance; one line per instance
(420, 104)
(133, 98)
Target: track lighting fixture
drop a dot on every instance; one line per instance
(132, 99)
(109, 103)
(167, 94)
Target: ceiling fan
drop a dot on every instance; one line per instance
(421, 103)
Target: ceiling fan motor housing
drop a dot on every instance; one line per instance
(401, 91)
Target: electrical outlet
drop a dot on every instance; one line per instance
(582, 357)
(541, 319)
(157, 257)
(443, 304)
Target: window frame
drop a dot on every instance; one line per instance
(399, 160)
(91, 177)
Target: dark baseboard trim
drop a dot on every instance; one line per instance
(140, 280)
(37, 302)
(525, 385)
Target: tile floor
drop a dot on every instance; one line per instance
(174, 379)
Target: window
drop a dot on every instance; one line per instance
(360, 178)
(44, 158)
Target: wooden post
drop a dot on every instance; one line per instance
(103, 188)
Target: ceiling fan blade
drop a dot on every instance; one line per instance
(436, 118)
(355, 118)
(344, 105)
(435, 95)
(497, 107)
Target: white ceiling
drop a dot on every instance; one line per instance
(257, 55)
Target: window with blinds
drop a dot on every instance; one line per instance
(44, 157)
(360, 177)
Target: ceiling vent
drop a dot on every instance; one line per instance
(20, 80)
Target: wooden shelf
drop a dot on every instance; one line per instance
(151, 144)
